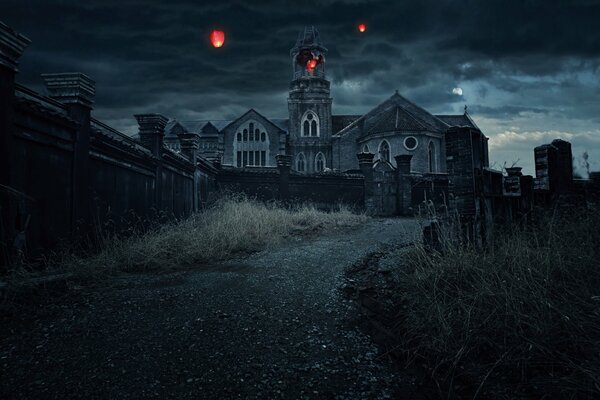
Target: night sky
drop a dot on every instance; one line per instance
(529, 70)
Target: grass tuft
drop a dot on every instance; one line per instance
(233, 226)
(523, 312)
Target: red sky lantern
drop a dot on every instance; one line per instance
(311, 64)
(362, 28)
(217, 38)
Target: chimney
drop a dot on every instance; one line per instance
(152, 131)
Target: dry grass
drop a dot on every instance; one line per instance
(231, 227)
(522, 316)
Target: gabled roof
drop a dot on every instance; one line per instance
(419, 116)
(396, 119)
(251, 111)
(458, 120)
(195, 126)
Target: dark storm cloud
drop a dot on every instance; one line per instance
(509, 57)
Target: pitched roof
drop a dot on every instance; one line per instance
(396, 119)
(195, 126)
(458, 120)
(252, 110)
(410, 111)
(339, 122)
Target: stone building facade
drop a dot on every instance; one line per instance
(314, 138)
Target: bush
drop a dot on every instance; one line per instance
(525, 311)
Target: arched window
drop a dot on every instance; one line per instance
(310, 124)
(432, 166)
(252, 146)
(384, 151)
(300, 162)
(319, 162)
(365, 148)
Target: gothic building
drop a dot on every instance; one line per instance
(317, 140)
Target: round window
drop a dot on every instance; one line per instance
(410, 143)
(309, 117)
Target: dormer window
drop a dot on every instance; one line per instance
(310, 124)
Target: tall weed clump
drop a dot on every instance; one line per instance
(522, 314)
(233, 226)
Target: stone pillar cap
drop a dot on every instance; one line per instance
(283, 160)
(12, 46)
(365, 157)
(71, 88)
(155, 122)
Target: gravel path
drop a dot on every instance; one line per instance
(272, 325)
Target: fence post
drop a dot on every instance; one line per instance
(404, 192)
(284, 163)
(190, 143)
(12, 45)
(77, 91)
(365, 163)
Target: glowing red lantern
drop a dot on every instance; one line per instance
(362, 28)
(311, 64)
(217, 38)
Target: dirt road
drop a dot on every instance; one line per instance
(272, 325)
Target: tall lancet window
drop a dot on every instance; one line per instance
(310, 124)
(300, 162)
(432, 166)
(384, 151)
(252, 145)
(319, 162)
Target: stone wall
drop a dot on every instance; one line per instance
(66, 176)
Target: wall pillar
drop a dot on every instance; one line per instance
(403, 180)
(190, 143)
(77, 91)
(365, 163)
(12, 45)
(152, 133)
(284, 163)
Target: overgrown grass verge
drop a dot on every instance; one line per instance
(229, 228)
(521, 318)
